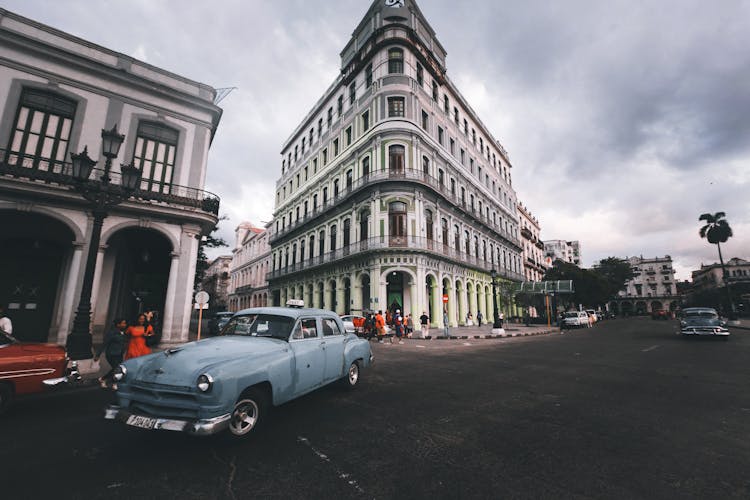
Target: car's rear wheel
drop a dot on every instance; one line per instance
(248, 413)
(352, 375)
(6, 397)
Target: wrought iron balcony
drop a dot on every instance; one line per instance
(58, 173)
(384, 176)
(402, 243)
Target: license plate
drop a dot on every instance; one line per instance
(142, 422)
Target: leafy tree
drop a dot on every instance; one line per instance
(616, 273)
(590, 287)
(717, 231)
(209, 241)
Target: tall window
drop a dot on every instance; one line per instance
(395, 61)
(349, 179)
(348, 135)
(312, 245)
(347, 232)
(428, 224)
(325, 195)
(426, 165)
(320, 127)
(397, 218)
(368, 76)
(315, 202)
(434, 90)
(365, 121)
(154, 154)
(335, 188)
(425, 119)
(364, 224)
(441, 177)
(330, 117)
(395, 106)
(42, 130)
(322, 242)
(444, 229)
(446, 104)
(396, 159)
(332, 237)
(340, 106)
(420, 74)
(352, 92)
(335, 147)
(457, 238)
(366, 166)
(441, 136)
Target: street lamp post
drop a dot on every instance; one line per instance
(102, 195)
(497, 326)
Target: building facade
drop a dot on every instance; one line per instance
(216, 282)
(58, 93)
(532, 255)
(652, 289)
(566, 251)
(251, 256)
(708, 280)
(393, 193)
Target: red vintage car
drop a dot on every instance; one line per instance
(27, 368)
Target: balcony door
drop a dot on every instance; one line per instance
(397, 223)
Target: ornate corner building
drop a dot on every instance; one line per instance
(251, 257)
(393, 193)
(653, 288)
(58, 93)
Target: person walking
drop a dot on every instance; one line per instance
(479, 318)
(409, 326)
(6, 324)
(446, 333)
(114, 347)
(398, 324)
(138, 333)
(380, 326)
(469, 319)
(424, 322)
(502, 317)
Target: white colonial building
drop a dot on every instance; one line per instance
(251, 262)
(566, 251)
(58, 92)
(533, 248)
(393, 193)
(652, 289)
(215, 282)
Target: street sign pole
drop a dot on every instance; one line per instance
(201, 298)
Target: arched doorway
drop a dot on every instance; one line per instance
(395, 282)
(34, 249)
(656, 306)
(626, 308)
(135, 274)
(332, 296)
(640, 307)
(365, 282)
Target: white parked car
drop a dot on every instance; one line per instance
(576, 319)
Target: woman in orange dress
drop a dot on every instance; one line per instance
(138, 333)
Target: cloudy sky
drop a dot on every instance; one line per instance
(624, 120)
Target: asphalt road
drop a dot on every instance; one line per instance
(624, 410)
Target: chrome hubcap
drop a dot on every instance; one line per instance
(353, 374)
(244, 417)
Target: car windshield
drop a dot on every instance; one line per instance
(260, 325)
(701, 314)
(571, 314)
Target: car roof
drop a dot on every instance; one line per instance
(291, 312)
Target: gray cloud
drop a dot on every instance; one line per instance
(624, 120)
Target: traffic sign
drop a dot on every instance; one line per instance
(201, 298)
(445, 299)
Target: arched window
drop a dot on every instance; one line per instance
(365, 166)
(395, 61)
(41, 133)
(476, 245)
(312, 245)
(347, 232)
(332, 237)
(428, 224)
(154, 155)
(322, 242)
(335, 188)
(444, 229)
(396, 159)
(467, 243)
(294, 254)
(325, 195)
(426, 165)
(457, 238)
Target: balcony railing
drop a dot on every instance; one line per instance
(59, 173)
(380, 176)
(411, 243)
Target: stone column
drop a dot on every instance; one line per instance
(167, 326)
(452, 303)
(473, 302)
(356, 295)
(462, 304)
(97, 281)
(70, 295)
(437, 306)
(340, 296)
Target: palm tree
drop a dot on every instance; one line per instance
(717, 231)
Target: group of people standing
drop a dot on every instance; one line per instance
(123, 341)
(402, 326)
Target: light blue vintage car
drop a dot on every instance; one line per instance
(263, 356)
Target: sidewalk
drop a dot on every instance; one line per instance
(485, 331)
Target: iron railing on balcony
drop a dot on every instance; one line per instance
(379, 176)
(60, 173)
(412, 243)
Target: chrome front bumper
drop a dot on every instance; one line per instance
(73, 376)
(204, 427)
(707, 332)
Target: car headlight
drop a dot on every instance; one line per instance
(120, 372)
(205, 381)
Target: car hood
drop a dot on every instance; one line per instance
(34, 348)
(181, 366)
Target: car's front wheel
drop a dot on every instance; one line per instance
(248, 413)
(352, 375)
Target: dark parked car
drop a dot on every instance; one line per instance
(217, 322)
(702, 322)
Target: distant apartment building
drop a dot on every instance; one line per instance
(216, 282)
(251, 256)
(652, 289)
(566, 251)
(709, 278)
(533, 248)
